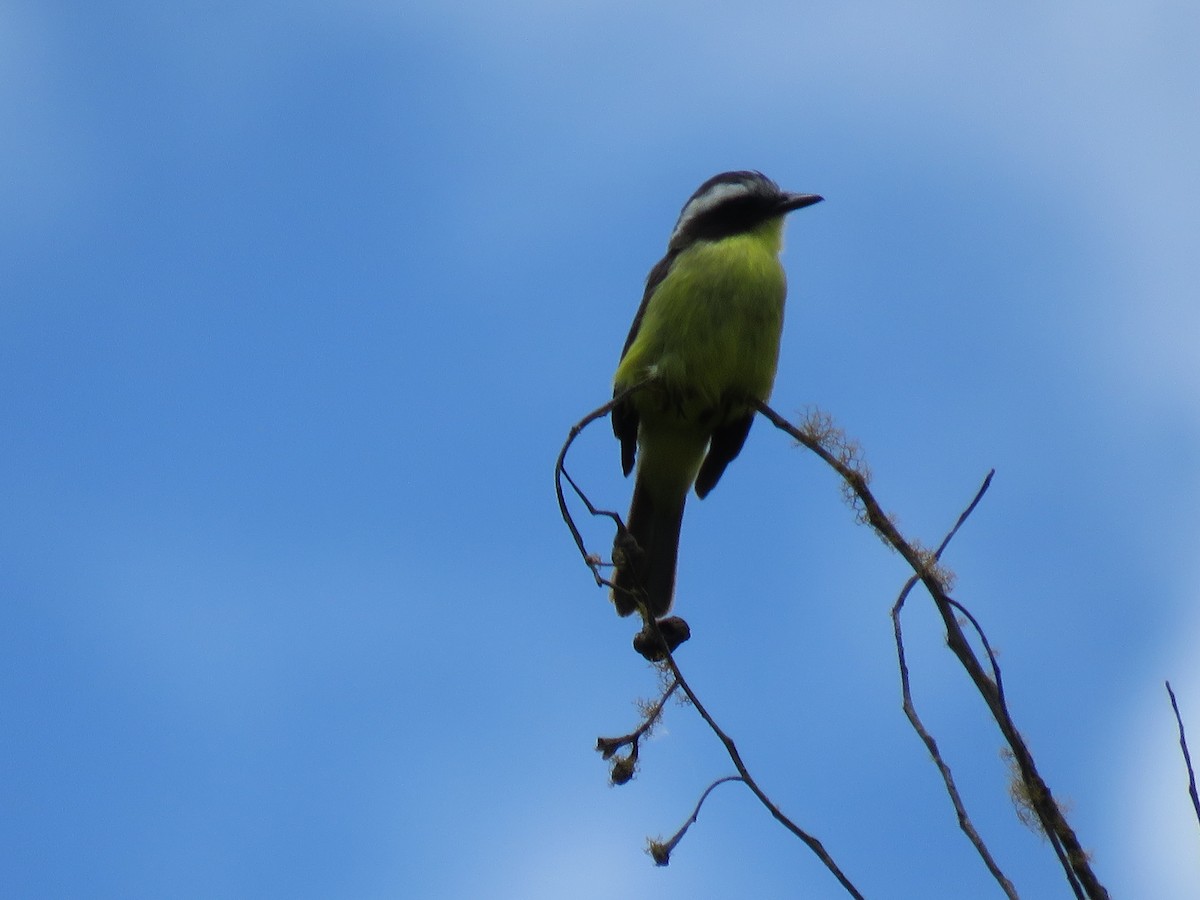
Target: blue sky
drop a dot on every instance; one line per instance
(300, 303)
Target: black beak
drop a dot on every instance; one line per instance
(790, 202)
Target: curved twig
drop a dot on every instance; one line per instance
(661, 850)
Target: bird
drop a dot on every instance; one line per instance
(703, 346)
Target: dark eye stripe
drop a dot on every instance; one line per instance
(727, 204)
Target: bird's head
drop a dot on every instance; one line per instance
(732, 203)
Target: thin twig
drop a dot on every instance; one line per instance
(1187, 757)
(609, 746)
(592, 561)
(560, 472)
(1073, 858)
(730, 748)
(910, 710)
(661, 850)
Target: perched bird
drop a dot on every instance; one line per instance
(706, 341)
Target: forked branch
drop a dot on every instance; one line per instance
(1074, 860)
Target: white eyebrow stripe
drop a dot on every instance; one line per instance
(710, 199)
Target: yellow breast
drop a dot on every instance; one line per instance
(711, 330)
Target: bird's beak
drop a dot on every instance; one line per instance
(798, 201)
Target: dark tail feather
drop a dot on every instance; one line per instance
(654, 525)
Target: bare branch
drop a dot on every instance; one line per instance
(1073, 858)
(813, 844)
(560, 472)
(819, 436)
(608, 746)
(623, 768)
(1187, 757)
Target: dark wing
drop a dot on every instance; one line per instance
(625, 427)
(624, 414)
(726, 444)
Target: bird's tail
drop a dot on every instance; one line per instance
(654, 522)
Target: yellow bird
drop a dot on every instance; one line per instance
(707, 335)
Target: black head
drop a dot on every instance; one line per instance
(731, 203)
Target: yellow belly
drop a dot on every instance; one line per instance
(710, 334)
